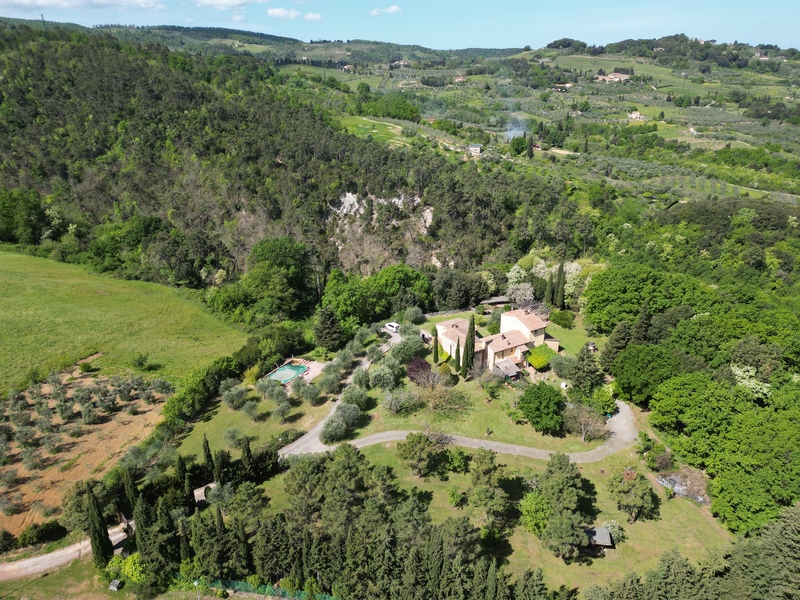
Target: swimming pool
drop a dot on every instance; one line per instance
(286, 373)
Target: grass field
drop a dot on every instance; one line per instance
(53, 314)
(79, 579)
(222, 417)
(387, 133)
(684, 524)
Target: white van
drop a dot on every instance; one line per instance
(393, 327)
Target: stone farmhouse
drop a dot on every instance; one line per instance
(503, 353)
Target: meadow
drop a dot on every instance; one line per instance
(54, 314)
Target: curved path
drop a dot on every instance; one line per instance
(621, 427)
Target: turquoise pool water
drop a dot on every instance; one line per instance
(286, 373)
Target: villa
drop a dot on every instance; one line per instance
(503, 353)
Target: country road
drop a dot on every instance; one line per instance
(47, 562)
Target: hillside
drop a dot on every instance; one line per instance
(635, 205)
(56, 314)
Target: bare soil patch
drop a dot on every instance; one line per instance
(83, 450)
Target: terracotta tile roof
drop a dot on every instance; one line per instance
(454, 330)
(503, 341)
(527, 318)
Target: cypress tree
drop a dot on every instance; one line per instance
(469, 348)
(457, 357)
(247, 460)
(241, 560)
(102, 548)
(188, 494)
(222, 459)
(184, 534)
(435, 346)
(559, 289)
(180, 470)
(208, 459)
(548, 292)
(129, 485)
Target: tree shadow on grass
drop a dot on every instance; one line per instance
(295, 417)
(587, 504)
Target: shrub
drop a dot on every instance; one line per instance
(382, 377)
(563, 318)
(227, 384)
(413, 314)
(86, 367)
(48, 531)
(7, 541)
(418, 370)
(400, 401)
(408, 348)
(250, 408)
(539, 358)
(618, 534)
(361, 377)
(140, 361)
(334, 430)
(355, 395)
(446, 375)
(349, 413)
(235, 397)
(161, 386)
(563, 366)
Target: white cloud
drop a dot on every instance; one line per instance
(238, 15)
(312, 16)
(388, 10)
(84, 4)
(223, 4)
(283, 13)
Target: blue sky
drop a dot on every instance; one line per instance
(445, 23)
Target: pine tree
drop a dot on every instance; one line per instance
(435, 563)
(478, 587)
(640, 331)
(531, 587)
(457, 357)
(586, 374)
(102, 548)
(491, 581)
(435, 346)
(469, 348)
(618, 340)
(328, 331)
(548, 292)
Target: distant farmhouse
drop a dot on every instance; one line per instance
(475, 149)
(613, 77)
(504, 353)
(637, 116)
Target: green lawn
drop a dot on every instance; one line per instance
(388, 133)
(221, 417)
(572, 340)
(683, 524)
(53, 314)
(473, 422)
(79, 579)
